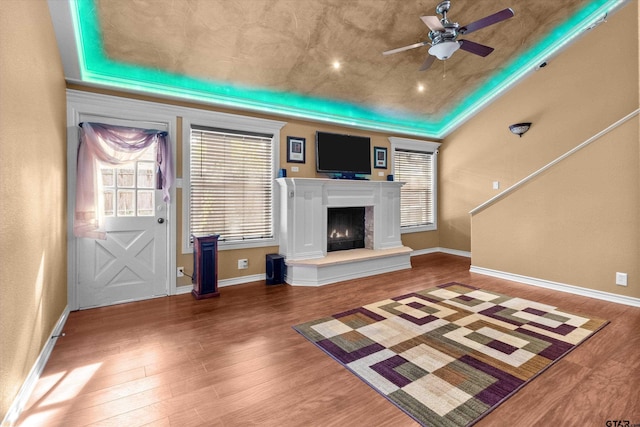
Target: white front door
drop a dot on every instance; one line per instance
(131, 264)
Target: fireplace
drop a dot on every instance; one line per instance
(305, 204)
(345, 228)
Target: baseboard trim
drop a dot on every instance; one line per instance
(241, 280)
(556, 286)
(186, 289)
(443, 250)
(34, 375)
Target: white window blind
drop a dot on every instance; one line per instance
(231, 184)
(415, 169)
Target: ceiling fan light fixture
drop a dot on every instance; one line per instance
(519, 128)
(444, 50)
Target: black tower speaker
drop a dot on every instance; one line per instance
(205, 266)
(275, 269)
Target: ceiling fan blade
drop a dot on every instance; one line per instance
(486, 21)
(427, 63)
(473, 47)
(402, 49)
(433, 22)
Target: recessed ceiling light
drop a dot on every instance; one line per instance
(420, 87)
(336, 65)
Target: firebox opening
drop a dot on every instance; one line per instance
(345, 228)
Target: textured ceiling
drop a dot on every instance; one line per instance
(288, 47)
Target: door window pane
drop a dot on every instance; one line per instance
(145, 202)
(126, 176)
(146, 174)
(126, 203)
(107, 176)
(108, 202)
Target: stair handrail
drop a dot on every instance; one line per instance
(552, 163)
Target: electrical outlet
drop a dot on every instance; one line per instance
(180, 272)
(243, 264)
(621, 279)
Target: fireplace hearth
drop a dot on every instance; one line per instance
(345, 228)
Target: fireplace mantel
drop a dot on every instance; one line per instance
(303, 226)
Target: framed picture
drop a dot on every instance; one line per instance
(295, 149)
(380, 157)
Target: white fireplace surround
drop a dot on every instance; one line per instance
(303, 229)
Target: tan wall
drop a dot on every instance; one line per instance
(570, 100)
(589, 86)
(228, 259)
(423, 240)
(577, 223)
(33, 281)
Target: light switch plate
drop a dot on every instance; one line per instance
(621, 279)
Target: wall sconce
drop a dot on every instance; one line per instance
(519, 128)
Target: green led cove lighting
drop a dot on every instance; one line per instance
(97, 69)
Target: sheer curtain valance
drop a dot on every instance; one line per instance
(112, 145)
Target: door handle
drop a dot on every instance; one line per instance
(160, 220)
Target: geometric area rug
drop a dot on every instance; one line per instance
(449, 355)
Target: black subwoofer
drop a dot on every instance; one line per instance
(275, 269)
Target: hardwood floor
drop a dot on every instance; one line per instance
(236, 361)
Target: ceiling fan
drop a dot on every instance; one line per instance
(444, 35)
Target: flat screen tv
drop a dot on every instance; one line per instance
(346, 155)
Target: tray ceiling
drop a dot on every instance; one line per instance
(279, 56)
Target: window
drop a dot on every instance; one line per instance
(231, 184)
(129, 189)
(228, 179)
(415, 164)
